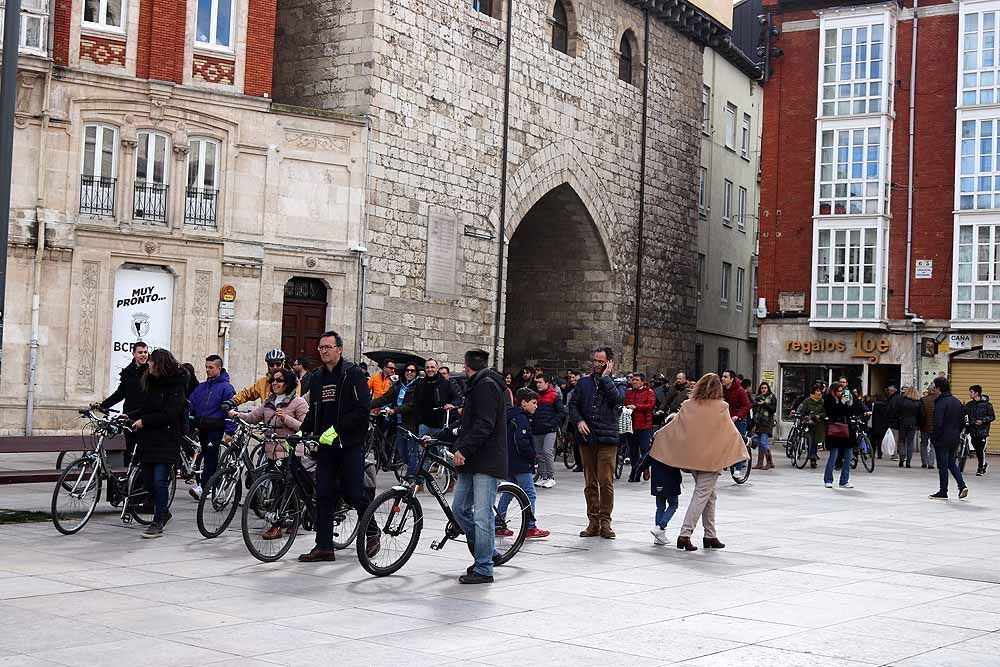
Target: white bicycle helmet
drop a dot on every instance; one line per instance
(274, 355)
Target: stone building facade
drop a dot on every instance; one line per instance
(430, 75)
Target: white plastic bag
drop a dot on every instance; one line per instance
(888, 444)
(625, 421)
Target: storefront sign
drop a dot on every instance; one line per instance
(978, 355)
(925, 269)
(768, 377)
(960, 341)
(143, 308)
(861, 347)
(991, 342)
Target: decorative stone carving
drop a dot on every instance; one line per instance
(311, 262)
(150, 247)
(200, 308)
(316, 141)
(87, 331)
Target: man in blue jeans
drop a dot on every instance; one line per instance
(481, 460)
(949, 417)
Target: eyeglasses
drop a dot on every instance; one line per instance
(411, 370)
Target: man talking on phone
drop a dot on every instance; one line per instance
(594, 411)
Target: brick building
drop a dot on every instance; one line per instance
(430, 74)
(152, 168)
(880, 232)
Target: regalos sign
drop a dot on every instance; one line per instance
(143, 309)
(861, 347)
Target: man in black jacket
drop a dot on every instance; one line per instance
(339, 400)
(433, 396)
(949, 417)
(130, 390)
(979, 415)
(594, 411)
(481, 460)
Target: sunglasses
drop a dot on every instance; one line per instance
(411, 370)
(278, 380)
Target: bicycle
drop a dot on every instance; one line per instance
(863, 449)
(564, 448)
(799, 441)
(740, 472)
(381, 449)
(396, 518)
(78, 489)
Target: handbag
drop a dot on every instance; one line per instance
(838, 430)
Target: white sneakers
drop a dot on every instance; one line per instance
(828, 485)
(195, 492)
(847, 486)
(546, 483)
(659, 535)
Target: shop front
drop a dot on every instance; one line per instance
(979, 366)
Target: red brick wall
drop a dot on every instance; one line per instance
(102, 51)
(213, 70)
(162, 46)
(61, 22)
(260, 48)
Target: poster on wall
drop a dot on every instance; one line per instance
(143, 308)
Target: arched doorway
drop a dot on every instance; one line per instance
(561, 296)
(303, 317)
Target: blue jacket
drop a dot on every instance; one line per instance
(597, 401)
(949, 417)
(206, 404)
(664, 480)
(520, 445)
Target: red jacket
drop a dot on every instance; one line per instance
(739, 404)
(644, 401)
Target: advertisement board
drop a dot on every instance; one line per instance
(142, 311)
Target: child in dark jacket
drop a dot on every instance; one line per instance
(521, 458)
(665, 486)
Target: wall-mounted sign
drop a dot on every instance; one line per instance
(924, 269)
(991, 342)
(792, 302)
(960, 341)
(227, 293)
(861, 346)
(143, 308)
(928, 348)
(227, 311)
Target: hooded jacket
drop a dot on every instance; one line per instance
(764, 408)
(644, 401)
(908, 413)
(406, 412)
(597, 402)
(739, 404)
(483, 438)
(520, 444)
(549, 415)
(815, 408)
(129, 389)
(207, 404)
(163, 412)
(295, 407)
(926, 414)
(949, 417)
(980, 410)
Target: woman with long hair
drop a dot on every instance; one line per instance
(702, 439)
(839, 442)
(158, 426)
(765, 405)
(908, 410)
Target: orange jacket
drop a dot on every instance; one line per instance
(378, 384)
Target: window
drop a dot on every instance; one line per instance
(977, 288)
(850, 172)
(740, 280)
(745, 137)
(979, 183)
(104, 13)
(699, 359)
(202, 183)
(727, 202)
(847, 269)
(741, 209)
(34, 30)
(723, 359)
(625, 59)
(483, 6)
(980, 70)
(149, 197)
(215, 21)
(727, 276)
(706, 109)
(730, 126)
(853, 70)
(754, 275)
(97, 173)
(701, 274)
(560, 28)
(702, 186)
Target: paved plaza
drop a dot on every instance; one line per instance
(811, 577)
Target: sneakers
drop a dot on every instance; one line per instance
(547, 483)
(536, 533)
(659, 535)
(963, 493)
(195, 492)
(847, 486)
(475, 578)
(504, 532)
(940, 495)
(828, 485)
(154, 530)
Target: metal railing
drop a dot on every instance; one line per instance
(97, 195)
(201, 207)
(149, 202)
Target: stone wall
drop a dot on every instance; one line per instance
(430, 73)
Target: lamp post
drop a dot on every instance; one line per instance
(8, 93)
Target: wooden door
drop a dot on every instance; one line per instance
(302, 323)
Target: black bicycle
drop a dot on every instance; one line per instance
(564, 448)
(243, 462)
(381, 449)
(394, 520)
(799, 441)
(863, 449)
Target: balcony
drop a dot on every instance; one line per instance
(201, 207)
(97, 196)
(149, 203)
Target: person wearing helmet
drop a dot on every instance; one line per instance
(261, 389)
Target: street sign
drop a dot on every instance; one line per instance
(925, 269)
(960, 341)
(227, 311)
(227, 293)
(991, 341)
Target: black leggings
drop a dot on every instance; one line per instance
(979, 445)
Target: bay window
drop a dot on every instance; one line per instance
(979, 163)
(853, 68)
(851, 171)
(978, 56)
(848, 264)
(977, 261)
(215, 21)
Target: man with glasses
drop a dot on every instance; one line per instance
(402, 413)
(379, 383)
(339, 404)
(261, 389)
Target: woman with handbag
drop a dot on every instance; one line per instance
(838, 435)
(765, 404)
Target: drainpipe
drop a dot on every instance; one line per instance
(502, 222)
(362, 250)
(36, 278)
(909, 189)
(641, 246)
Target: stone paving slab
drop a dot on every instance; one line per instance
(811, 577)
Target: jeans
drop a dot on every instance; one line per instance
(763, 438)
(904, 447)
(209, 455)
(526, 481)
(845, 468)
(926, 450)
(156, 479)
(741, 426)
(475, 494)
(545, 445)
(665, 508)
(599, 481)
(946, 462)
(340, 473)
(407, 449)
(638, 445)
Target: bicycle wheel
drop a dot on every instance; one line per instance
(790, 443)
(801, 452)
(512, 525)
(569, 453)
(345, 526)
(389, 531)
(619, 463)
(270, 531)
(867, 454)
(220, 499)
(740, 472)
(140, 502)
(76, 495)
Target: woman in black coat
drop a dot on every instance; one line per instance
(158, 426)
(909, 411)
(838, 435)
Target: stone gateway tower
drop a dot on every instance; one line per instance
(578, 240)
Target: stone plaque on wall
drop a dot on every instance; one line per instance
(442, 265)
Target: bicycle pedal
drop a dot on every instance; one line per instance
(126, 519)
(436, 546)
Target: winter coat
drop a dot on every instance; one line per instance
(839, 413)
(207, 404)
(701, 437)
(483, 438)
(949, 418)
(979, 410)
(432, 393)
(644, 401)
(346, 382)
(406, 412)
(163, 413)
(520, 444)
(816, 408)
(764, 409)
(129, 388)
(927, 414)
(548, 418)
(295, 411)
(597, 402)
(664, 480)
(880, 419)
(378, 384)
(908, 412)
(258, 391)
(739, 403)
(892, 410)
